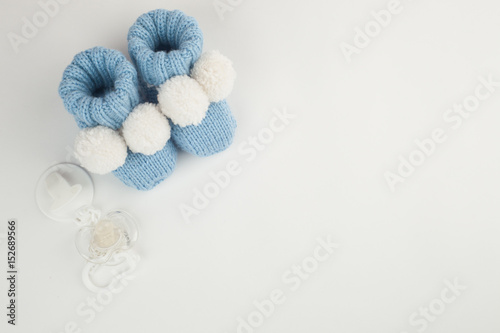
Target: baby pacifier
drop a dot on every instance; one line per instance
(65, 193)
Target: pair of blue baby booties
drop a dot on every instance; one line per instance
(102, 90)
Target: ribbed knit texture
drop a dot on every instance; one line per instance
(144, 172)
(164, 44)
(213, 135)
(100, 87)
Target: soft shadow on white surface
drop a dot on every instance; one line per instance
(321, 176)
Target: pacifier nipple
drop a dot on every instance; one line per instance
(105, 234)
(60, 191)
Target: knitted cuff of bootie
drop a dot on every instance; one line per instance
(100, 89)
(165, 46)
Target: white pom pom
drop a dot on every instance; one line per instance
(100, 149)
(215, 73)
(146, 130)
(183, 101)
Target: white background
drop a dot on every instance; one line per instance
(323, 175)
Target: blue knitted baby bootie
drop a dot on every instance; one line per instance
(189, 87)
(118, 134)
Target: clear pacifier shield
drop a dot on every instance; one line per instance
(62, 190)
